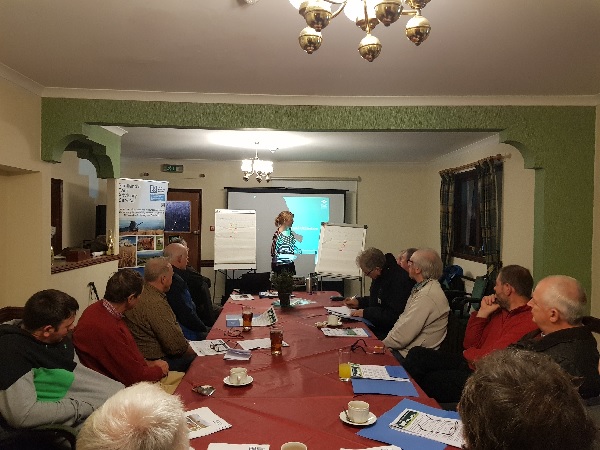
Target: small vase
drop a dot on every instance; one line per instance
(284, 299)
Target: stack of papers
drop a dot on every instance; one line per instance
(237, 355)
(202, 422)
(441, 429)
(381, 430)
(238, 297)
(342, 311)
(254, 344)
(295, 302)
(395, 381)
(268, 294)
(344, 332)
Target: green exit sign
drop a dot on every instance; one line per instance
(172, 168)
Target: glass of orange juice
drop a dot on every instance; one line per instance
(344, 359)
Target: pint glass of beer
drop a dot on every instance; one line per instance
(276, 335)
(247, 318)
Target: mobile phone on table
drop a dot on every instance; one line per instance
(337, 298)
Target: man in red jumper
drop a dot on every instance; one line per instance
(502, 319)
(103, 341)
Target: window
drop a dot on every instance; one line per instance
(468, 242)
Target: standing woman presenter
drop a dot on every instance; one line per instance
(283, 247)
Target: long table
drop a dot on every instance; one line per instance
(294, 397)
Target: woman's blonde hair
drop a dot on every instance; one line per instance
(283, 216)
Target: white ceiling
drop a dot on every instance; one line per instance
(499, 51)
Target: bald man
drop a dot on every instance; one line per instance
(558, 305)
(180, 298)
(198, 285)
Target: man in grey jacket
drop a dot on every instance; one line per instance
(425, 318)
(41, 380)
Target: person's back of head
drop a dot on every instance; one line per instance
(429, 261)
(519, 278)
(176, 254)
(370, 258)
(48, 307)
(122, 284)
(142, 416)
(566, 295)
(518, 400)
(155, 268)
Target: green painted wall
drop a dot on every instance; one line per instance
(556, 141)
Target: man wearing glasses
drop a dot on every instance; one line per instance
(389, 291)
(425, 319)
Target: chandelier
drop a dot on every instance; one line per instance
(367, 14)
(262, 168)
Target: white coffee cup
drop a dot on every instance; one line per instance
(294, 446)
(238, 375)
(332, 319)
(358, 411)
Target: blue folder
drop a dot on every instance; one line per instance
(400, 388)
(382, 432)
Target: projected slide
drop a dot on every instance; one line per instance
(310, 207)
(309, 213)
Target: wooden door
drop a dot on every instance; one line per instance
(183, 219)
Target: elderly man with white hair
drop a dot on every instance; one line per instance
(558, 305)
(141, 416)
(425, 319)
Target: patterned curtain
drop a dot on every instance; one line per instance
(490, 211)
(446, 215)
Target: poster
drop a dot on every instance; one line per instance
(142, 206)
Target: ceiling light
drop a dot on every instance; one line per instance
(255, 166)
(366, 14)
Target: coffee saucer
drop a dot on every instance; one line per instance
(246, 383)
(370, 421)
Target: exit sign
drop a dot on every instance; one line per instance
(172, 168)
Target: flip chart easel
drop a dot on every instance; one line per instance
(339, 245)
(235, 239)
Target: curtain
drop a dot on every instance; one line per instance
(446, 216)
(490, 211)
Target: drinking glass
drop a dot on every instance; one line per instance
(344, 359)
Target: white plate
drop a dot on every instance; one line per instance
(372, 419)
(229, 383)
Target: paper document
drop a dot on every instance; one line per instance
(385, 447)
(344, 332)
(342, 311)
(215, 446)
(373, 373)
(266, 319)
(253, 344)
(202, 422)
(237, 354)
(238, 297)
(209, 347)
(295, 302)
(447, 431)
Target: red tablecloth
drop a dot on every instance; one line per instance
(294, 397)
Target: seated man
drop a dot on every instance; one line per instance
(152, 322)
(558, 305)
(41, 381)
(389, 291)
(520, 400)
(179, 296)
(502, 319)
(139, 417)
(199, 287)
(103, 341)
(425, 319)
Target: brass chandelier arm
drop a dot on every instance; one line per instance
(340, 9)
